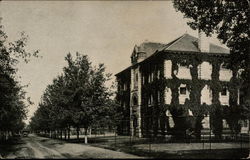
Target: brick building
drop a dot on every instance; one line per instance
(178, 84)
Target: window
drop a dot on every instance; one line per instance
(150, 100)
(205, 70)
(224, 91)
(136, 77)
(125, 87)
(120, 87)
(158, 74)
(159, 96)
(135, 101)
(210, 93)
(135, 80)
(183, 90)
(245, 123)
(224, 65)
(183, 63)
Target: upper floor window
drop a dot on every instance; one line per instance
(204, 70)
(224, 91)
(183, 63)
(183, 71)
(167, 69)
(225, 73)
(143, 79)
(135, 102)
(124, 105)
(136, 80)
(125, 86)
(183, 90)
(159, 96)
(224, 65)
(239, 73)
(158, 74)
(150, 100)
(244, 123)
(150, 77)
(136, 77)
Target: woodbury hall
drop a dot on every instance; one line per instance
(182, 85)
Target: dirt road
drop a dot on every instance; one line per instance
(40, 147)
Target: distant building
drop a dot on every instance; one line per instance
(187, 73)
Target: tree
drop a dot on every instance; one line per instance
(230, 20)
(78, 98)
(12, 96)
(90, 95)
(54, 113)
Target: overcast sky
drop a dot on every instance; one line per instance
(104, 30)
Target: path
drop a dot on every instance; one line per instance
(40, 147)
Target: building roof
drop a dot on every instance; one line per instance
(184, 43)
(126, 69)
(190, 44)
(148, 47)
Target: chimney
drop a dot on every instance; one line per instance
(203, 42)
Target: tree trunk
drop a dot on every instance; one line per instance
(90, 131)
(69, 133)
(50, 134)
(65, 134)
(77, 133)
(247, 99)
(61, 131)
(85, 135)
(7, 135)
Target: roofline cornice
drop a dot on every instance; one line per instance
(176, 52)
(197, 53)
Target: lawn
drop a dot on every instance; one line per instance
(170, 148)
(161, 148)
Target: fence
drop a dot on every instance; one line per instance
(168, 143)
(236, 146)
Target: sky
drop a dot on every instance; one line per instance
(106, 31)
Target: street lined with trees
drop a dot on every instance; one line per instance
(78, 101)
(78, 98)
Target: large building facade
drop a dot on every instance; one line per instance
(179, 84)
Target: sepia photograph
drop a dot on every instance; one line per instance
(132, 79)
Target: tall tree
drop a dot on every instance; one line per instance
(78, 98)
(89, 93)
(12, 96)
